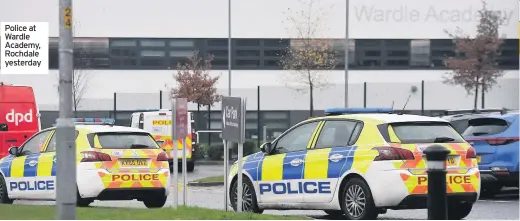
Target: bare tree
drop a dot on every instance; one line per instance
(80, 78)
(80, 75)
(308, 56)
(476, 65)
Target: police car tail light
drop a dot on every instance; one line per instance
(393, 153)
(471, 153)
(93, 156)
(162, 157)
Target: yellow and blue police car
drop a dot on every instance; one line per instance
(113, 163)
(357, 165)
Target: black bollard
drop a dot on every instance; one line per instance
(436, 156)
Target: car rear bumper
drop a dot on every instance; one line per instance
(400, 184)
(508, 178)
(189, 160)
(419, 201)
(92, 183)
(130, 193)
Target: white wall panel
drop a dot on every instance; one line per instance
(140, 90)
(406, 19)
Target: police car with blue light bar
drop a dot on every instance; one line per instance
(113, 163)
(357, 163)
(92, 121)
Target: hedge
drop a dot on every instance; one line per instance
(216, 151)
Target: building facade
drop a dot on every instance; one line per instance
(132, 48)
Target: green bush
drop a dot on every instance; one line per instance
(200, 151)
(216, 151)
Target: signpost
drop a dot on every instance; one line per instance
(179, 131)
(65, 132)
(233, 130)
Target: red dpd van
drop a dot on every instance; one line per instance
(19, 116)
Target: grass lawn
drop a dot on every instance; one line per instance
(211, 179)
(30, 212)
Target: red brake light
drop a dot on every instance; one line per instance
(93, 156)
(162, 156)
(393, 153)
(471, 153)
(501, 141)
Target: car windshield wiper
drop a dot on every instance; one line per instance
(443, 139)
(139, 146)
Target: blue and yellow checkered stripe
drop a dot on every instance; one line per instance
(316, 165)
(20, 166)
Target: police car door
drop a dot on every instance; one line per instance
(330, 158)
(281, 171)
(47, 168)
(22, 182)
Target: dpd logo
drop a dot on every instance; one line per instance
(16, 118)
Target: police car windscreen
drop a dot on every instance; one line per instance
(426, 132)
(120, 140)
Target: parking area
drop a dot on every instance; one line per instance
(502, 206)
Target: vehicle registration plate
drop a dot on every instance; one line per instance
(451, 161)
(479, 159)
(133, 162)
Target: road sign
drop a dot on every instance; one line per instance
(181, 116)
(233, 118)
(233, 130)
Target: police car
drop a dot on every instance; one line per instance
(113, 163)
(357, 165)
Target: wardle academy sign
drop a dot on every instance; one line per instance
(401, 11)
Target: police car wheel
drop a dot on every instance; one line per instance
(357, 202)
(249, 203)
(190, 166)
(4, 199)
(81, 202)
(155, 202)
(459, 210)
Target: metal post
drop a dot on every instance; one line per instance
(265, 133)
(346, 51)
(241, 155)
(184, 173)
(422, 97)
(436, 156)
(160, 99)
(226, 186)
(175, 164)
(65, 132)
(258, 126)
(229, 47)
(240, 182)
(365, 94)
(115, 107)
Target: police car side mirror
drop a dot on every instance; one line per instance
(266, 147)
(13, 151)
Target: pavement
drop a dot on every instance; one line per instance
(503, 206)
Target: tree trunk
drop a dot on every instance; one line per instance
(476, 97)
(75, 107)
(311, 92)
(482, 103)
(209, 125)
(197, 123)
